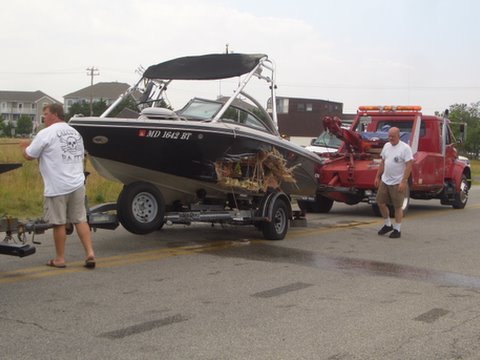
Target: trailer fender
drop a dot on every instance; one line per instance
(266, 206)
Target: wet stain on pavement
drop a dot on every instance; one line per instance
(279, 254)
(282, 290)
(143, 327)
(432, 315)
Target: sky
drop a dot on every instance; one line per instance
(370, 52)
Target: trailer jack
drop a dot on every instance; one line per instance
(15, 241)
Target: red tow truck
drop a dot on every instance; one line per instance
(348, 175)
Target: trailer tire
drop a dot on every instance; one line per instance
(461, 197)
(141, 208)
(277, 228)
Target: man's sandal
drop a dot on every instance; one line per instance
(52, 264)
(90, 263)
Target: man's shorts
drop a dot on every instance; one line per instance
(64, 209)
(389, 194)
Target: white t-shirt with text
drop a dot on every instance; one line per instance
(395, 158)
(59, 149)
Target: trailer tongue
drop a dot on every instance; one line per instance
(10, 245)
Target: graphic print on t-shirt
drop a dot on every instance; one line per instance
(72, 147)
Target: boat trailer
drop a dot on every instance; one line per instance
(104, 216)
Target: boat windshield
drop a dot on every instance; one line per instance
(198, 109)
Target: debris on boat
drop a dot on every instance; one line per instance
(254, 172)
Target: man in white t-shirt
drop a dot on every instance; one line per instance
(59, 150)
(392, 181)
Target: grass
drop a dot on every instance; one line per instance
(21, 190)
(475, 167)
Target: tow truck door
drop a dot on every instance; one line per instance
(429, 169)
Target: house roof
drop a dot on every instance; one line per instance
(104, 90)
(23, 96)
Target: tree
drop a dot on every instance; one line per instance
(6, 128)
(127, 103)
(24, 125)
(99, 108)
(470, 115)
(83, 108)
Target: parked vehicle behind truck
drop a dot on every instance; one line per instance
(348, 175)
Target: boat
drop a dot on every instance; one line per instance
(222, 152)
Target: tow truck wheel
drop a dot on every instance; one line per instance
(141, 208)
(461, 197)
(277, 228)
(321, 205)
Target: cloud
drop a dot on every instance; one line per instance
(335, 53)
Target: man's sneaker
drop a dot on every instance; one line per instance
(385, 229)
(395, 234)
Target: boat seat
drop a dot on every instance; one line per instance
(159, 113)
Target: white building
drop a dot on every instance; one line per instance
(14, 104)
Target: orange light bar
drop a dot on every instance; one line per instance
(391, 108)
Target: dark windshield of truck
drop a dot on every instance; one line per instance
(379, 129)
(328, 140)
(404, 126)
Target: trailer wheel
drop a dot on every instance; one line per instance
(461, 197)
(277, 228)
(141, 208)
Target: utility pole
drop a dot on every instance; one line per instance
(92, 71)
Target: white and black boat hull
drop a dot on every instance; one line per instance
(179, 156)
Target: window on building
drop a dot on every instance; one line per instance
(309, 107)
(300, 107)
(282, 106)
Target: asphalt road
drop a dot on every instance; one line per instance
(333, 290)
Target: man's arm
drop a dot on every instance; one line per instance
(24, 144)
(406, 175)
(379, 173)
